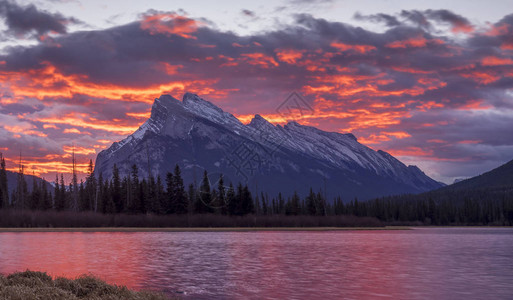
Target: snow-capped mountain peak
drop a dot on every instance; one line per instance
(195, 133)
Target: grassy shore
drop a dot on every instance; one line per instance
(37, 285)
(197, 229)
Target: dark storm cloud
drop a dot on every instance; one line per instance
(24, 20)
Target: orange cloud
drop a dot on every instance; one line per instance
(437, 141)
(469, 142)
(474, 105)
(416, 42)
(71, 130)
(411, 151)
(383, 137)
(430, 105)
(497, 30)
(496, 61)
(113, 126)
(507, 46)
(49, 82)
(170, 24)
(289, 56)
(357, 48)
(259, 59)
(47, 126)
(78, 150)
(481, 77)
(411, 70)
(28, 130)
(462, 28)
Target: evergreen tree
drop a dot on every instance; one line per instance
(205, 197)
(47, 197)
(247, 202)
(116, 189)
(221, 196)
(135, 201)
(21, 191)
(171, 201)
(63, 196)
(153, 200)
(191, 198)
(180, 198)
(311, 207)
(91, 188)
(4, 192)
(110, 206)
(99, 197)
(231, 200)
(161, 195)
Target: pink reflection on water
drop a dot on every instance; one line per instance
(105, 255)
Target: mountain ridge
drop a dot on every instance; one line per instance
(197, 135)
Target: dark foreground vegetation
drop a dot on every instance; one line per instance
(37, 285)
(53, 219)
(151, 202)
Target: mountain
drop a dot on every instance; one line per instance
(498, 178)
(197, 135)
(485, 195)
(12, 182)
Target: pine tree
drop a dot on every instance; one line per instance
(47, 197)
(295, 205)
(153, 200)
(171, 201)
(221, 197)
(143, 196)
(21, 191)
(110, 206)
(91, 188)
(36, 196)
(99, 196)
(135, 201)
(191, 198)
(231, 200)
(4, 192)
(63, 196)
(205, 197)
(311, 207)
(116, 189)
(161, 195)
(179, 195)
(247, 202)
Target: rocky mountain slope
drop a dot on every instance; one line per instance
(198, 135)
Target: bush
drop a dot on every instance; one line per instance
(37, 285)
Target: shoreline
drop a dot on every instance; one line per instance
(196, 229)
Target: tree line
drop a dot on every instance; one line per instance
(153, 195)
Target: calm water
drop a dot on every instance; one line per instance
(416, 264)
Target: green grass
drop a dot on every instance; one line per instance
(30, 285)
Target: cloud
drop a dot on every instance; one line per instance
(23, 21)
(248, 13)
(388, 20)
(411, 90)
(423, 19)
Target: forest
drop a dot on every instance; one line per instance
(154, 196)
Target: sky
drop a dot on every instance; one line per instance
(430, 82)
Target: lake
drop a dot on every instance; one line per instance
(424, 263)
